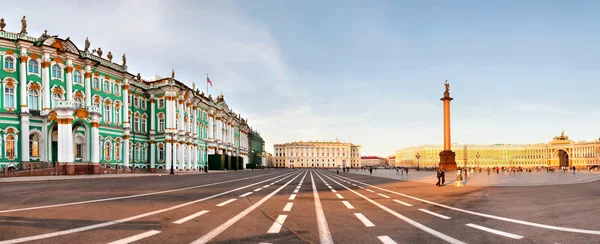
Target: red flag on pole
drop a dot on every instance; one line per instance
(208, 80)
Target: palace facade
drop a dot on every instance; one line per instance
(321, 154)
(64, 106)
(560, 152)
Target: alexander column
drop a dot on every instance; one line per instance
(447, 156)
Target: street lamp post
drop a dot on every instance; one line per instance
(418, 156)
(477, 156)
(172, 133)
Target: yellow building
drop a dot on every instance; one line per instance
(560, 152)
(327, 154)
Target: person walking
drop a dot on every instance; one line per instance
(371, 171)
(407, 171)
(443, 177)
(397, 171)
(439, 177)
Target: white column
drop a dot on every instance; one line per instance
(180, 125)
(188, 125)
(125, 103)
(23, 89)
(210, 126)
(195, 157)
(88, 88)
(152, 154)
(46, 83)
(219, 135)
(96, 139)
(168, 152)
(189, 156)
(126, 148)
(153, 119)
(69, 72)
(25, 136)
(65, 138)
(180, 162)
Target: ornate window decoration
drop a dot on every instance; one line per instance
(9, 63)
(77, 77)
(136, 122)
(57, 95)
(136, 101)
(106, 86)
(161, 152)
(161, 122)
(117, 152)
(34, 145)
(10, 152)
(78, 98)
(137, 152)
(144, 117)
(97, 102)
(143, 101)
(117, 88)
(161, 103)
(130, 151)
(107, 147)
(33, 67)
(96, 83)
(117, 117)
(107, 110)
(79, 146)
(10, 96)
(144, 149)
(57, 72)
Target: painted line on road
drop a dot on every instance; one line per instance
(292, 197)
(139, 216)
(386, 240)
(288, 207)
(324, 234)
(129, 196)
(403, 203)
(276, 227)
(497, 232)
(226, 202)
(246, 194)
(361, 187)
(136, 237)
(348, 205)
(188, 218)
(364, 220)
(216, 231)
(434, 214)
(431, 231)
(383, 195)
(339, 196)
(369, 190)
(266, 186)
(258, 189)
(296, 191)
(544, 226)
(334, 191)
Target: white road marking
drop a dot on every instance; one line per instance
(276, 227)
(296, 191)
(434, 213)
(136, 237)
(386, 240)
(431, 231)
(226, 202)
(383, 195)
(266, 186)
(330, 187)
(288, 207)
(334, 191)
(361, 187)
(324, 234)
(292, 197)
(297, 187)
(246, 194)
(364, 220)
(216, 231)
(188, 218)
(258, 189)
(126, 197)
(265, 243)
(369, 190)
(544, 226)
(339, 196)
(348, 205)
(139, 216)
(403, 203)
(497, 232)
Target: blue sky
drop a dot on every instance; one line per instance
(367, 71)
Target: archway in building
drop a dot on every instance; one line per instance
(563, 158)
(81, 137)
(53, 145)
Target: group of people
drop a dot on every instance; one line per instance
(441, 176)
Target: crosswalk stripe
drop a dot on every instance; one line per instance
(403, 203)
(334, 191)
(497, 232)
(296, 191)
(276, 227)
(246, 194)
(258, 189)
(434, 214)
(386, 240)
(383, 195)
(136, 237)
(348, 205)
(188, 218)
(339, 196)
(292, 197)
(364, 220)
(369, 190)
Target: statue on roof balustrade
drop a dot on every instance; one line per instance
(87, 45)
(23, 25)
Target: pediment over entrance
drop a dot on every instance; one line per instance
(562, 139)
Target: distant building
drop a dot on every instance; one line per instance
(366, 161)
(270, 161)
(321, 154)
(391, 161)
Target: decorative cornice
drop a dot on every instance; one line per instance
(64, 121)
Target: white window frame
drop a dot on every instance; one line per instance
(80, 78)
(60, 69)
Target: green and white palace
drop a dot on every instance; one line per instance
(79, 112)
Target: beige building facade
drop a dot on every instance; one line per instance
(560, 152)
(316, 154)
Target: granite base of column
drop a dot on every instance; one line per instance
(70, 168)
(152, 170)
(95, 169)
(448, 160)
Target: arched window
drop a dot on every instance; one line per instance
(117, 152)
(143, 129)
(161, 123)
(56, 72)
(96, 83)
(117, 114)
(144, 159)
(9, 96)
(161, 152)
(77, 77)
(56, 97)
(78, 148)
(9, 63)
(34, 145)
(10, 146)
(34, 100)
(107, 151)
(107, 113)
(137, 152)
(117, 89)
(136, 123)
(107, 86)
(78, 102)
(130, 151)
(33, 67)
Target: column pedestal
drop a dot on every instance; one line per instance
(70, 167)
(448, 160)
(95, 168)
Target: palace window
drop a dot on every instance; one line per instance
(116, 89)
(34, 145)
(130, 151)
(33, 67)
(9, 97)
(161, 103)
(129, 100)
(96, 83)
(10, 146)
(144, 153)
(97, 103)
(136, 102)
(56, 72)
(77, 77)
(161, 124)
(117, 115)
(107, 86)
(117, 152)
(78, 102)
(143, 129)
(107, 151)
(9, 63)
(107, 113)
(143, 104)
(161, 153)
(78, 148)
(137, 152)
(136, 124)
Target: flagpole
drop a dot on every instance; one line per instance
(206, 84)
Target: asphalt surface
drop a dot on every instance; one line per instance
(312, 206)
